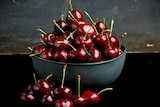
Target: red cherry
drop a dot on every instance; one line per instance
(111, 52)
(47, 99)
(65, 92)
(60, 55)
(95, 55)
(43, 86)
(47, 54)
(101, 26)
(101, 40)
(39, 48)
(114, 40)
(87, 28)
(82, 55)
(27, 97)
(63, 103)
(81, 40)
(61, 43)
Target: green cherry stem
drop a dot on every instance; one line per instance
(70, 4)
(111, 29)
(72, 17)
(42, 31)
(105, 89)
(34, 77)
(48, 76)
(63, 76)
(122, 36)
(54, 21)
(89, 17)
(79, 86)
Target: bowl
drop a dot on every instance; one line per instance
(92, 74)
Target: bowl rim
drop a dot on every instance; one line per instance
(83, 63)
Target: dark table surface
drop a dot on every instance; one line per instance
(137, 85)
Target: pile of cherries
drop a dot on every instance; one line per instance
(76, 40)
(44, 92)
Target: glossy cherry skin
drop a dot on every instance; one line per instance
(61, 43)
(65, 92)
(77, 14)
(111, 52)
(91, 96)
(47, 54)
(73, 56)
(80, 41)
(114, 40)
(100, 26)
(39, 48)
(80, 102)
(27, 97)
(49, 39)
(82, 55)
(47, 99)
(101, 40)
(95, 55)
(63, 103)
(87, 28)
(60, 55)
(42, 86)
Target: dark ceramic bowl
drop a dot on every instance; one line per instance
(98, 73)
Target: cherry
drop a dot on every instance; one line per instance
(101, 27)
(47, 38)
(47, 54)
(60, 55)
(63, 92)
(27, 96)
(78, 100)
(93, 97)
(37, 50)
(111, 51)
(47, 99)
(87, 28)
(95, 55)
(101, 40)
(63, 103)
(61, 43)
(81, 40)
(82, 55)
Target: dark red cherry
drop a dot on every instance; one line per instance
(61, 43)
(65, 92)
(95, 55)
(101, 27)
(114, 40)
(60, 55)
(49, 38)
(47, 99)
(47, 54)
(111, 52)
(63, 25)
(101, 40)
(81, 40)
(87, 28)
(80, 102)
(63, 103)
(91, 96)
(73, 56)
(39, 48)
(27, 97)
(42, 86)
(82, 55)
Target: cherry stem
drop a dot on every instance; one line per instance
(43, 42)
(50, 75)
(71, 34)
(70, 4)
(79, 79)
(42, 31)
(54, 21)
(62, 16)
(72, 17)
(30, 49)
(63, 76)
(111, 29)
(89, 17)
(105, 89)
(86, 50)
(123, 35)
(34, 76)
(104, 22)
